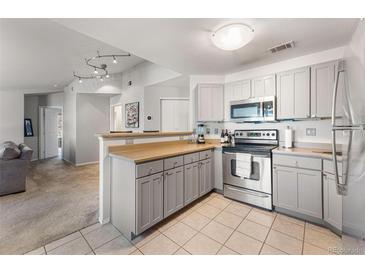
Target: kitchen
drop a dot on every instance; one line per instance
(296, 149)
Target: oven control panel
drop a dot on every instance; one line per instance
(264, 134)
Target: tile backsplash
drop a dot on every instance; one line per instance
(321, 128)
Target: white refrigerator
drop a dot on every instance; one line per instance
(348, 137)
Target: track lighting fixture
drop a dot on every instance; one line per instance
(99, 67)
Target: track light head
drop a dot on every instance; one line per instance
(114, 60)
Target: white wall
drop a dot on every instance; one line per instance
(69, 125)
(55, 99)
(31, 109)
(152, 106)
(11, 116)
(323, 127)
(92, 116)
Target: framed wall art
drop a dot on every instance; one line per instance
(132, 115)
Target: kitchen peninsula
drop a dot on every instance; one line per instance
(151, 181)
(107, 140)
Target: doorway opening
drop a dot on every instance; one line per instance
(51, 132)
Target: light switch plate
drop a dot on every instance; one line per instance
(310, 131)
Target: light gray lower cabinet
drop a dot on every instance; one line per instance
(332, 202)
(149, 201)
(191, 179)
(173, 190)
(205, 177)
(285, 187)
(298, 190)
(310, 192)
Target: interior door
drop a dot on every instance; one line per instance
(174, 114)
(50, 132)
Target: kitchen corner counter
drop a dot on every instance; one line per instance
(308, 152)
(140, 153)
(126, 135)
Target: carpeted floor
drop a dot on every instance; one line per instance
(59, 200)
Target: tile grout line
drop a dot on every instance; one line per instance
(234, 230)
(92, 250)
(267, 235)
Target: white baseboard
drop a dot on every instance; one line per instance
(35, 159)
(87, 163)
(71, 163)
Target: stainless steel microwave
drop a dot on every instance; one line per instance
(253, 110)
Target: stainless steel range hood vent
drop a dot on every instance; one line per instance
(286, 45)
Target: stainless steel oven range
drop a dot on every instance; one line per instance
(247, 170)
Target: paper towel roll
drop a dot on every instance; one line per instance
(288, 137)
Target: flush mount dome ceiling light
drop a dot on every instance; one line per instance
(232, 36)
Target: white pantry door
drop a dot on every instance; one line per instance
(174, 114)
(50, 132)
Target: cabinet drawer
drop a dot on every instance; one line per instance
(149, 168)
(297, 161)
(205, 154)
(328, 167)
(173, 162)
(191, 158)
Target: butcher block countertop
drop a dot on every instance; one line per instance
(126, 135)
(140, 153)
(308, 152)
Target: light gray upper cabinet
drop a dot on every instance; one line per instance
(191, 179)
(332, 202)
(293, 94)
(240, 90)
(149, 194)
(310, 192)
(322, 86)
(173, 190)
(264, 86)
(209, 102)
(205, 177)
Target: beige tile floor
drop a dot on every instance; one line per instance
(211, 225)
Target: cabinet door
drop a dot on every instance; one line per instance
(228, 97)
(157, 198)
(293, 94)
(173, 190)
(332, 202)
(217, 107)
(202, 175)
(322, 84)
(210, 102)
(191, 183)
(301, 93)
(208, 176)
(263, 86)
(204, 103)
(310, 192)
(149, 201)
(285, 187)
(285, 99)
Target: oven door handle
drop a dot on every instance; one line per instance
(248, 192)
(253, 155)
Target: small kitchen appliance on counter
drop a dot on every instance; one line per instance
(200, 132)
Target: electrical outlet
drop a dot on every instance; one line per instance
(207, 130)
(216, 131)
(310, 131)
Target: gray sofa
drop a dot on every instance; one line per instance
(14, 162)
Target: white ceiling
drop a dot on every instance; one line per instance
(37, 54)
(182, 81)
(184, 45)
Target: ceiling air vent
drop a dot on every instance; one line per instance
(286, 45)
